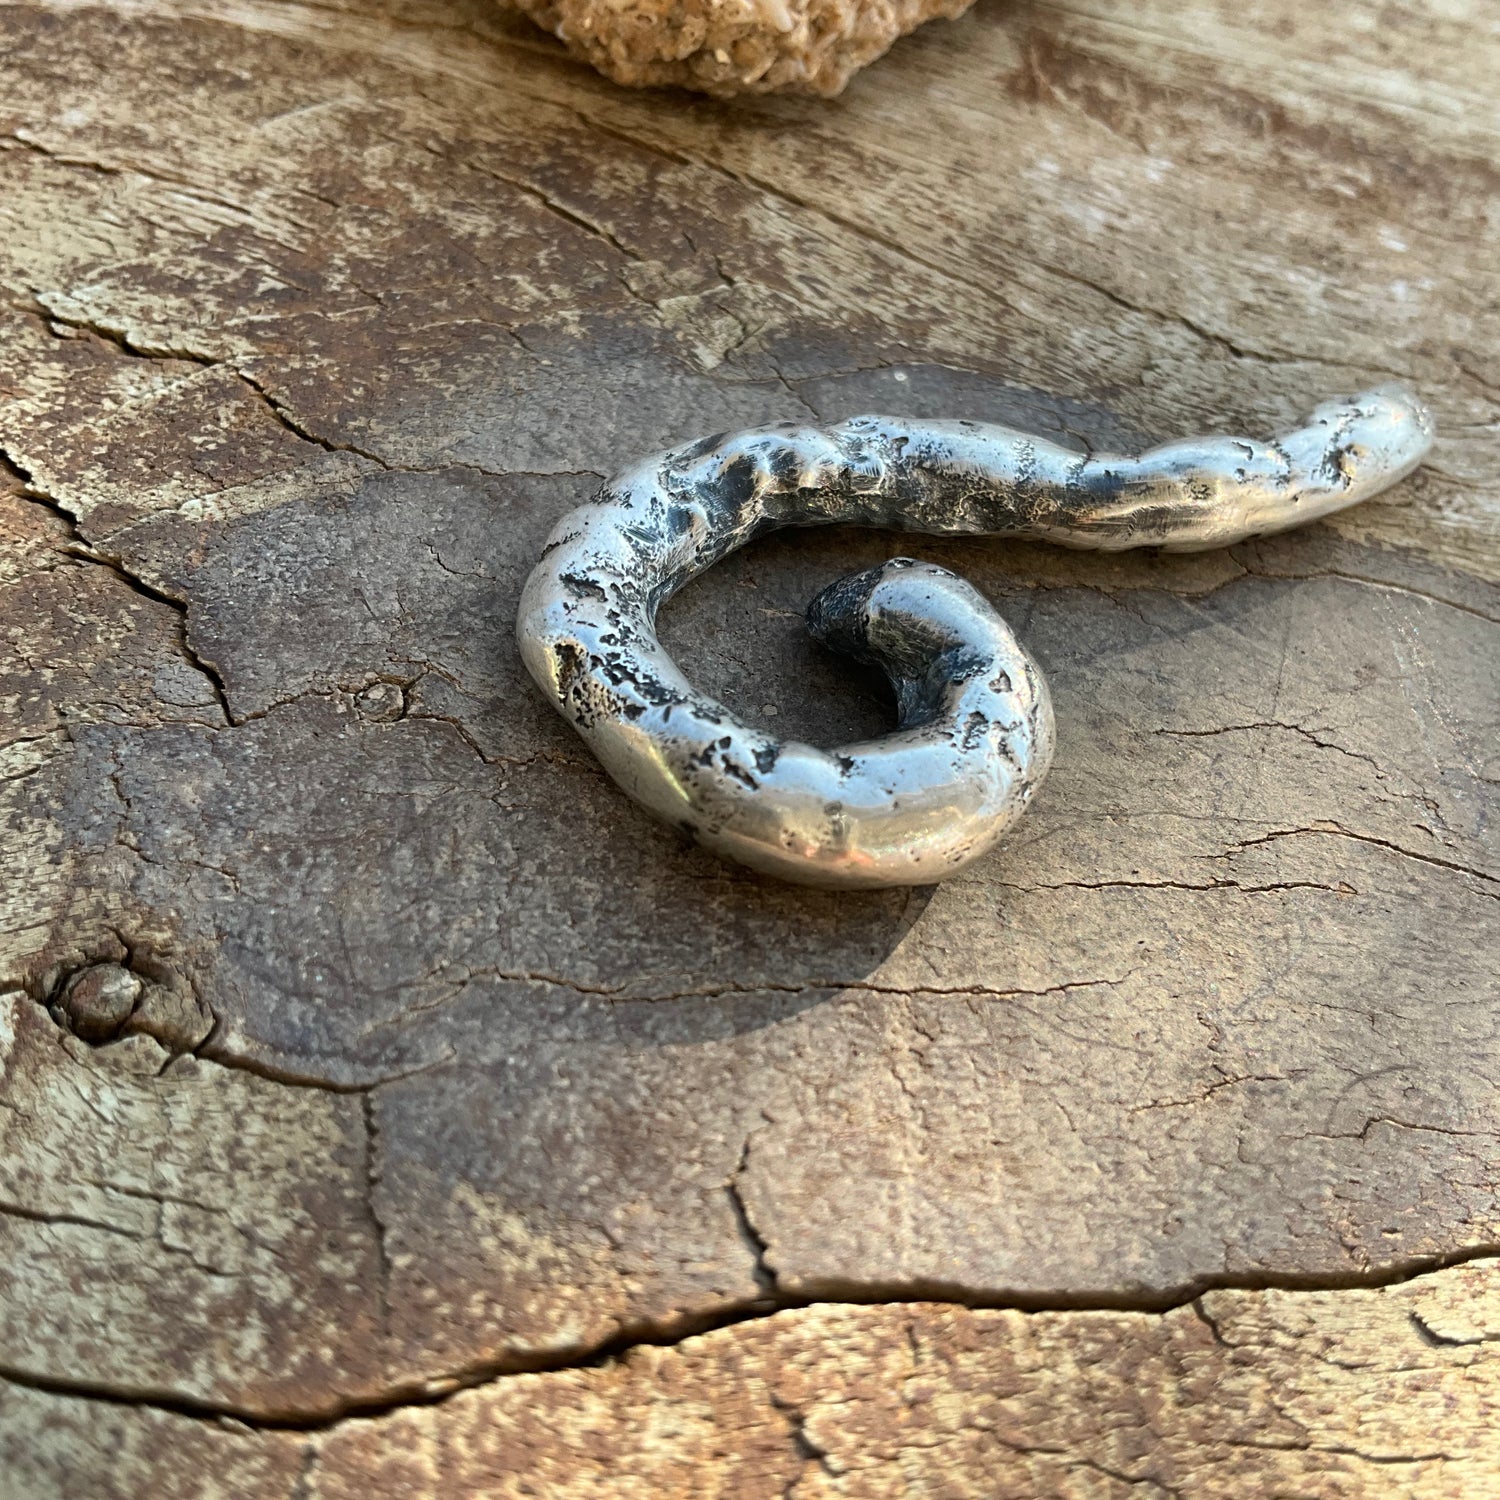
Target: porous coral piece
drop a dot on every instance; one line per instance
(727, 47)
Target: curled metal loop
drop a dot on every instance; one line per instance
(975, 734)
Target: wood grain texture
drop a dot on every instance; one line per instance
(450, 1065)
(1345, 1393)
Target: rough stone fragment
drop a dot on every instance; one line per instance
(728, 47)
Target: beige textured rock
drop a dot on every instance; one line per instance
(445, 1069)
(728, 47)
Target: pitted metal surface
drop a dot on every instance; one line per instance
(975, 733)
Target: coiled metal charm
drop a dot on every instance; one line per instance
(975, 733)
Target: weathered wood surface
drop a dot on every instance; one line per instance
(449, 1066)
(1346, 1393)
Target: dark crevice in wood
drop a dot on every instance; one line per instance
(434, 1391)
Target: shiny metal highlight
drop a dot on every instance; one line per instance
(975, 735)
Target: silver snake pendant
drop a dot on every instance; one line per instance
(975, 732)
